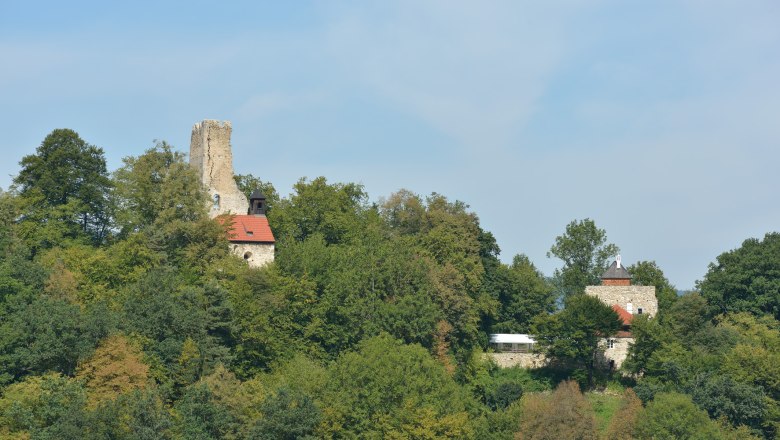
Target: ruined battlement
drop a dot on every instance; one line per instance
(211, 156)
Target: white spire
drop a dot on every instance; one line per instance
(617, 260)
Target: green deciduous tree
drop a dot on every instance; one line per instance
(247, 184)
(585, 253)
(64, 191)
(390, 390)
(522, 293)
(43, 335)
(647, 273)
(649, 337)
(202, 417)
(156, 188)
(333, 210)
(573, 334)
(136, 415)
(177, 327)
(287, 415)
(673, 416)
(49, 407)
(721, 396)
(746, 279)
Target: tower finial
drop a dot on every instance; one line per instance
(617, 260)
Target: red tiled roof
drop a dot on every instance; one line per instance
(623, 314)
(250, 228)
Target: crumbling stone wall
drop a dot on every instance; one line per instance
(210, 154)
(522, 360)
(255, 254)
(638, 296)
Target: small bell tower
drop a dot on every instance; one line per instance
(256, 203)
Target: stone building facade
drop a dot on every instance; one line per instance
(616, 291)
(249, 233)
(637, 300)
(628, 301)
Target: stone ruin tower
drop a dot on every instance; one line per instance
(627, 301)
(210, 154)
(249, 234)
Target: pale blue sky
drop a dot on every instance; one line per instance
(659, 120)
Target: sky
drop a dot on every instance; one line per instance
(658, 120)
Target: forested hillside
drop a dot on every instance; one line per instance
(123, 315)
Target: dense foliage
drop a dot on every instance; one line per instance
(123, 315)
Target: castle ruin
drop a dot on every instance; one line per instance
(211, 155)
(249, 234)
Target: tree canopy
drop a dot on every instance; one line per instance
(746, 279)
(585, 253)
(64, 190)
(573, 335)
(124, 314)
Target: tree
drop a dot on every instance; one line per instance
(43, 335)
(176, 326)
(572, 335)
(332, 210)
(387, 389)
(115, 368)
(522, 293)
(49, 407)
(66, 175)
(566, 414)
(649, 337)
(584, 250)
(673, 416)
(157, 188)
(200, 417)
(136, 415)
(647, 273)
(287, 415)
(247, 183)
(746, 279)
(721, 396)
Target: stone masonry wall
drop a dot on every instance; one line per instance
(618, 352)
(523, 360)
(255, 254)
(639, 296)
(210, 154)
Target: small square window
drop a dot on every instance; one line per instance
(610, 343)
(639, 311)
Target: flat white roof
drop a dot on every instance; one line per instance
(511, 338)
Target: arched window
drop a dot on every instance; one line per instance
(216, 201)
